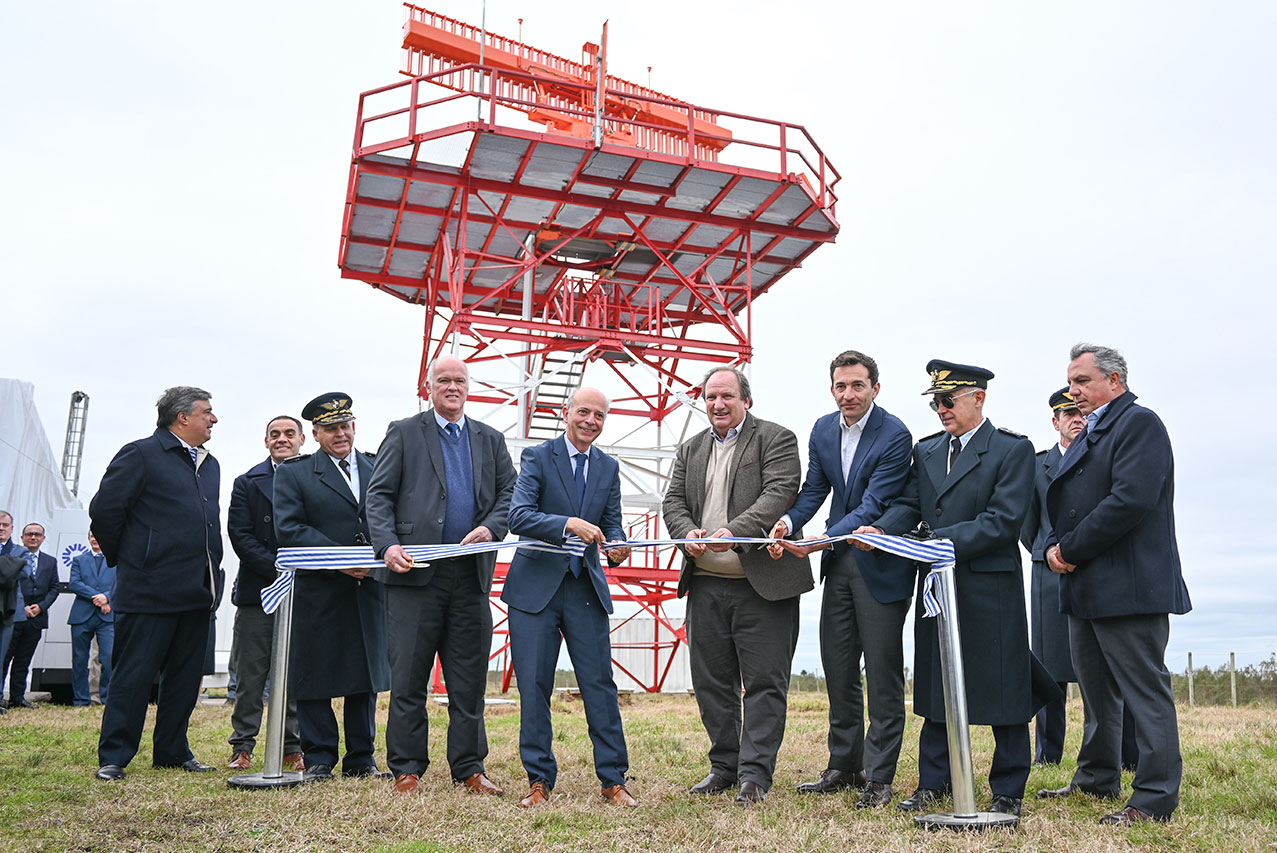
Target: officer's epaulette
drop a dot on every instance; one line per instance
(1011, 432)
(1044, 452)
(929, 437)
(296, 458)
(370, 456)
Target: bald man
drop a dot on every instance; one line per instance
(440, 478)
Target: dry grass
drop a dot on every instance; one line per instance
(49, 800)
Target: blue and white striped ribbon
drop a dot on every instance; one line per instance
(937, 552)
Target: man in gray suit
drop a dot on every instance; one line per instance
(737, 479)
(440, 478)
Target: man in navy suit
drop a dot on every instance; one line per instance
(1112, 542)
(91, 581)
(37, 589)
(567, 488)
(250, 525)
(861, 454)
(339, 621)
(972, 483)
(156, 517)
(9, 596)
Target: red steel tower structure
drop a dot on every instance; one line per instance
(553, 219)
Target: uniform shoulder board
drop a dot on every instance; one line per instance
(933, 435)
(296, 458)
(369, 456)
(1011, 432)
(1044, 452)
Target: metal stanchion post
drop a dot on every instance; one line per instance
(962, 775)
(273, 774)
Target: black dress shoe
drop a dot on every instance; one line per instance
(110, 772)
(1006, 805)
(833, 780)
(712, 784)
(317, 773)
(875, 794)
(193, 765)
(367, 771)
(750, 793)
(21, 703)
(1071, 789)
(921, 800)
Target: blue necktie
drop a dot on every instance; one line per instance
(580, 481)
(195, 455)
(453, 431)
(575, 563)
(100, 560)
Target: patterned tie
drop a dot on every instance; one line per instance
(955, 447)
(344, 465)
(195, 456)
(31, 557)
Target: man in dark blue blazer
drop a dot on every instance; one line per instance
(37, 589)
(861, 454)
(91, 581)
(339, 621)
(441, 477)
(567, 488)
(156, 517)
(972, 483)
(1113, 544)
(8, 591)
(250, 526)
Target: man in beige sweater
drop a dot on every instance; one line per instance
(736, 479)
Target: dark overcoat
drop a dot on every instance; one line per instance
(1048, 627)
(1112, 510)
(250, 525)
(980, 505)
(339, 622)
(157, 520)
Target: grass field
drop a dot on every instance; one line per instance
(49, 799)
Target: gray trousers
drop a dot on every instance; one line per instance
(736, 637)
(855, 625)
(254, 643)
(1121, 660)
(450, 616)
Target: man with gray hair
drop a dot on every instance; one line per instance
(736, 479)
(1111, 506)
(156, 517)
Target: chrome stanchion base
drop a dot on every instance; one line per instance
(978, 822)
(287, 779)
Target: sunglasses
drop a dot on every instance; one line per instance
(947, 400)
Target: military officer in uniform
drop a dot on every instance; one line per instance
(972, 483)
(1049, 626)
(339, 630)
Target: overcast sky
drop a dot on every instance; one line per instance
(1016, 178)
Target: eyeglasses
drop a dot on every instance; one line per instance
(947, 400)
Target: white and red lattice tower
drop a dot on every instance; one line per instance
(558, 224)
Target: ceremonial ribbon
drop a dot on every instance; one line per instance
(937, 552)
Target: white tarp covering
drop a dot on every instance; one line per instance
(31, 484)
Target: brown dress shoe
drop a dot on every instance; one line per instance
(240, 760)
(1129, 816)
(617, 795)
(407, 783)
(294, 761)
(538, 795)
(481, 784)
